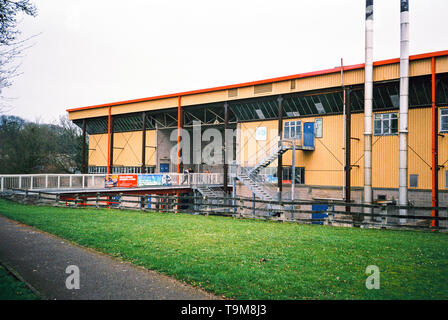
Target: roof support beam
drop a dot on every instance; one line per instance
(111, 144)
(348, 167)
(84, 140)
(143, 142)
(435, 147)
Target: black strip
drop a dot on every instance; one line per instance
(404, 5)
(369, 9)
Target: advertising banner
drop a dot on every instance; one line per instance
(149, 180)
(111, 180)
(121, 180)
(127, 180)
(137, 180)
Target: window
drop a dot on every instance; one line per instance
(413, 180)
(299, 172)
(293, 130)
(386, 124)
(444, 120)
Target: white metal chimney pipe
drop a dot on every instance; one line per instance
(368, 103)
(404, 106)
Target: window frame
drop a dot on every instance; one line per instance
(288, 125)
(410, 179)
(445, 110)
(382, 119)
(300, 173)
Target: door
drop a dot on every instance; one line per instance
(164, 167)
(308, 134)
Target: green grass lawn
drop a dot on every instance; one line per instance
(13, 289)
(246, 259)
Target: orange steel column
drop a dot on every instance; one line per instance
(108, 141)
(435, 162)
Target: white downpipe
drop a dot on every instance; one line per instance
(368, 106)
(404, 104)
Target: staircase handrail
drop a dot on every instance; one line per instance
(263, 152)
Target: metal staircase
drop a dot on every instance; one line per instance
(257, 183)
(213, 197)
(209, 192)
(271, 158)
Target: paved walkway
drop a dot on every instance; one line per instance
(41, 259)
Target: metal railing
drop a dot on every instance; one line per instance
(85, 181)
(50, 181)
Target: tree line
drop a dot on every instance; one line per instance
(33, 147)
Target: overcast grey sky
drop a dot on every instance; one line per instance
(98, 51)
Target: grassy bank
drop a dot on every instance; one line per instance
(246, 259)
(13, 289)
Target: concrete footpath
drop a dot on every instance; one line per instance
(41, 260)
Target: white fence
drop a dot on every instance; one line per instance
(84, 181)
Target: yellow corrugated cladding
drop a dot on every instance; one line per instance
(98, 150)
(251, 149)
(323, 166)
(127, 151)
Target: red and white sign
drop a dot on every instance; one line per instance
(127, 180)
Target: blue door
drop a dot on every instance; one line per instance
(164, 167)
(319, 215)
(308, 134)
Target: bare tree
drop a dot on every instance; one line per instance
(10, 48)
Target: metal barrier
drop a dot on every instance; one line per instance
(382, 216)
(51, 181)
(84, 181)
